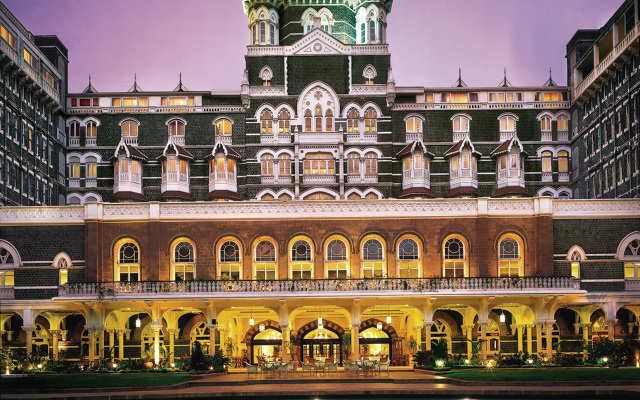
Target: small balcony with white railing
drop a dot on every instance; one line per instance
(318, 137)
(177, 139)
(362, 137)
(276, 179)
(563, 136)
(175, 181)
(275, 137)
(74, 182)
(127, 182)
(463, 177)
(632, 284)
(74, 141)
(414, 137)
(546, 136)
(563, 177)
(131, 140)
(318, 179)
(90, 182)
(362, 177)
(224, 139)
(510, 177)
(223, 180)
(415, 178)
(90, 142)
(547, 176)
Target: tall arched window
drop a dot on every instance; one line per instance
(284, 163)
(370, 121)
(562, 123)
(223, 127)
(329, 121)
(230, 260)
(265, 261)
(414, 125)
(353, 163)
(319, 164)
(545, 124)
(92, 130)
(373, 258)
(301, 259)
(337, 259)
(371, 163)
(507, 124)
(266, 120)
(318, 119)
(460, 124)
(183, 262)
(130, 129)
(284, 121)
(176, 128)
(510, 262)
(563, 161)
(546, 161)
(353, 121)
(307, 121)
(409, 265)
(631, 256)
(9, 259)
(266, 160)
(455, 264)
(74, 129)
(127, 268)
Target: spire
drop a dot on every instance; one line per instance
(504, 82)
(550, 82)
(180, 87)
(459, 82)
(90, 88)
(135, 88)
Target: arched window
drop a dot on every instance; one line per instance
(266, 160)
(363, 35)
(371, 163)
(74, 167)
(267, 197)
(353, 163)
(301, 259)
(563, 161)
(545, 124)
(183, 262)
(284, 163)
(507, 124)
(318, 118)
(74, 129)
(546, 161)
(223, 127)
(319, 164)
(91, 170)
(176, 128)
(370, 121)
(284, 121)
(264, 261)
(409, 265)
(266, 121)
(373, 260)
(91, 130)
(127, 268)
(130, 129)
(562, 124)
(510, 257)
(460, 124)
(631, 256)
(337, 259)
(414, 125)
(353, 121)
(455, 264)
(575, 258)
(329, 121)
(285, 197)
(307, 121)
(319, 196)
(230, 260)
(9, 259)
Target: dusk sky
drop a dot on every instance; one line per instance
(206, 40)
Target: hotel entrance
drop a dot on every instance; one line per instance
(322, 344)
(375, 343)
(266, 343)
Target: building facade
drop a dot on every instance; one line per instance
(351, 206)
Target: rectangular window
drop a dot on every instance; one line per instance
(454, 269)
(301, 270)
(30, 59)
(272, 34)
(231, 271)
(265, 271)
(183, 273)
(75, 170)
(64, 277)
(409, 269)
(465, 162)
(337, 270)
(135, 166)
(116, 103)
(631, 270)
(143, 101)
(372, 269)
(428, 98)
(454, 163)
(129, 102)
(86, 102)
(177, 101)
(91, 170)
(7, 36)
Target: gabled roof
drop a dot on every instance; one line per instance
(180, 87)
(458, 147)
(411, 147)
(463, 191)
(416, 190)
(131, 151)
(507, 145)
(222, 148)
(129, 195)
(550, 82)
(135, 88)
(90, 88)
(180, 151)
(222, 194)
(511, 191)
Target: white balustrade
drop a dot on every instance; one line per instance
(315, 179)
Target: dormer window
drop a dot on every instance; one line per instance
(415, 170)
(263, 27)
(463, 169)
(266, 75)
(222, 173)
(413, 126)
(510, 167)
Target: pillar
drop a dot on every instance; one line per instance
(92, 344)
(285, 340)
(212, 340)
(28, 330)
(112, 342)
(530, 339)
(538, 338)
(483, 338)
(156, 343)
(355, 341)
(172, 333)
(519, 328)
(54, 344)
(101, 343)
(418, 337)
(468, 329)
(3, 331)
(427, 338)
(549, 326)
(121, 344)
(611, 329)
(223, 338)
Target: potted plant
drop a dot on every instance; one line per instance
(346, 346)
(412, 344)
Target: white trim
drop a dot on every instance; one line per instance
(623, 246)
(576, 248)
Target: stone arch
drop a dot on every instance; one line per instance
(192, 323)
(255, 329)
(312, 325)
(502, 326)
(390, 330)
(448, 319)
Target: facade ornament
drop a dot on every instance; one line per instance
(391, 89)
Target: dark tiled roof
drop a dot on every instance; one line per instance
(417, 190)
(174, 193)
(129, 195)
(511, 190)
(179, 150)
(463, 190)
(224, 194)
(504, 147)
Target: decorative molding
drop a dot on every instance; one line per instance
(627, 208)
(267, 91)
(369, 89)
(42, 215)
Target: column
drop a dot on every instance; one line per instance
(538, 338)
(483, 338)
(28, 330)
(156, 343)
(285, 339)
(101, 343)
(54, 344)
(3, 331)
(121, 344)
(530, 339)
(427, 338)
(212, 340)
(519, 328)
(172, 333)
(468, 329)
(112, 342)
(92, 344)
(418, 336)
(549, 326)
(355, 341)
(223, 338)
(611, 329)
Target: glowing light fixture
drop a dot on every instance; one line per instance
(138, 321)
(320, 327)
(319, 321)
(388, 319)
(605, 359)
(440, 363)
(251, 321)
(261, 328)
(379, 326)
(173, 365)
(466, 361)
(530, 361)
(502, 317)
(40, 366)
(115, 365)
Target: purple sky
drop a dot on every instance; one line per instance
(206, 40)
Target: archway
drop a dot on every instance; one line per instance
(377, 336)
(264, 340)
(320, 343)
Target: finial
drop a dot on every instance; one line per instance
(550, 74)
(505, 72)
(460, 73)
(89, 79)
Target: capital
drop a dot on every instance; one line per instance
(28, 329)
(156, 327)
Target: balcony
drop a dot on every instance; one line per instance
(275, 179)
(318, 137)
(631, 284)
(547, 176)
(74, 182)
(319, 179)
(414, 137)
(362, 137)
(510, 177)
(8, 50)
(563, 136)
(175, 181)
(546, 137)
(373, 286)
(275, 137)
(91, 142)
(6, 292)
(362, 178)
(74, 142)
(132, 140)
(563, 177)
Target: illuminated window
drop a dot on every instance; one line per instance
(318, 119)
(507, 124)
(223, 127)
(409, 258)
(7, 36)
(92, 129)
(353, 163)
(265, 266)
(562, 123)
(337, 259)
(370, 121)
(576, 257)
(130, 129)
(563, 161)
(285, 164)
(301, 259)
(266, 120)
(284, 121)
(546, 161)
(509, 257)
(266, 160)
(229, 259)
(127, 267)
(461, 124)
(373, 260)
(371, 163)
(74, 167)
(307, 121)
(329, 121)
(91, 167)
(319, 196)
(30, 59)
(74, 130)
(176, 128)
(545, 124)
(455, 258)
(414, 125)
(353, 121)
(8, 261)
(319, 164)
(183, 263)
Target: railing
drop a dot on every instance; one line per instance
(563, 136)
(320, 285)
(364, 137)
(225, 139)
(464, 173)
(10, 51)
(547, 176)
(563, 177)
(631, 284)
(91, 141)
(74, 183)
(222, 176)
(178, 139)
(74, 142)
(319, 137)
(174, 176)
(127, 177)
(30, 71)
(546, 137)
(275, 180)
(315, 179)
(51, 91)
(6, 293)
(90, 182)
(130, 140)
(275, 138)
